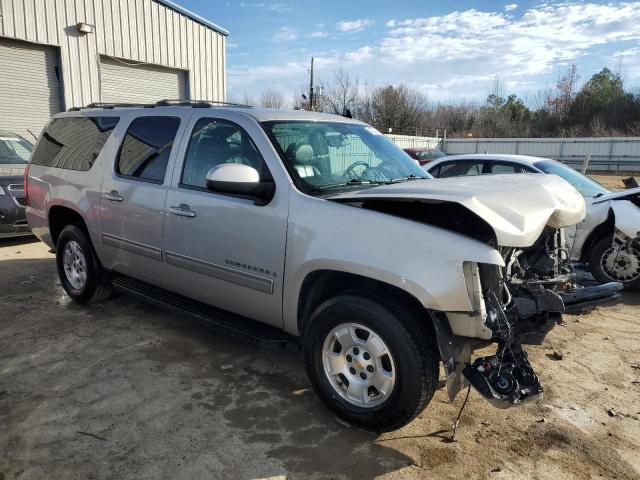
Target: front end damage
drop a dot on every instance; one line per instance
(520, 304)
(512, 304)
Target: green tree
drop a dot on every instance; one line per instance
(602, 102)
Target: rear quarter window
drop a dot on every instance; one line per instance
(73, 143)
(146, 148)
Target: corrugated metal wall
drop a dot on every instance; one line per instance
(29, 87)
(122, 83)
(138, 30)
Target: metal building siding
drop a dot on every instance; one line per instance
(144, 31)
(143, 83)
(29, 85)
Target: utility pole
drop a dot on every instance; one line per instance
(311, 88)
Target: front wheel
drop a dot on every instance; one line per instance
(613, 263)
(80, 272)
(370, 361)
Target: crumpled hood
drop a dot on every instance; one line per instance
(517, 207)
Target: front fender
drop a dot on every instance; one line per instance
(424, 261)
(627, 217)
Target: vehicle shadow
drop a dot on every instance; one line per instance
(14, 241)
(126, 388)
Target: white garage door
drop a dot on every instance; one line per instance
(29, 87)
(124, 83)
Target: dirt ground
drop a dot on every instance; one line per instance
(613, 182)
(124, 390)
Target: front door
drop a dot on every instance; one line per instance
(223, 250)
(133, 199)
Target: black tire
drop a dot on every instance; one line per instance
(597, 270)
(98, 284)
(413, 349)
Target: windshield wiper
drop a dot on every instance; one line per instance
(354, 181)
(408, 177)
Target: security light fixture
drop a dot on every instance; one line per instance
(86, 28)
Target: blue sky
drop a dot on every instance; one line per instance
(450, 51)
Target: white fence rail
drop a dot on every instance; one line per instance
(408, 141)
(614, 154)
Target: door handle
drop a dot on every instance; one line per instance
(113, 195)
(182, 210)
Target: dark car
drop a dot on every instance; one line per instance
(424, 155)
(14, 156)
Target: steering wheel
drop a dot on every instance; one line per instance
(349, 171)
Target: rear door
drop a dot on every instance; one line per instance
(223, 250)
(133, 197)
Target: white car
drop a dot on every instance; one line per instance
(607, 240)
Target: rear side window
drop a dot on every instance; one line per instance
(146, 148)
(458, 169)
(505, 168)
(73, 143)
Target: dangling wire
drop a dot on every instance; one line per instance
(455, 425)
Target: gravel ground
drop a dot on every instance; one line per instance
(613, 182)
(124, 390)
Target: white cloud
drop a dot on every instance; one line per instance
(475, 44)
(360, 55)
(458, 54)
(627, 53)
(510, 6)
(354, 25)
(276, 7)
(318, 34)
(285, 34)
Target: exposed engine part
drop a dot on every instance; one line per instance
(545, 262)
(506, 378)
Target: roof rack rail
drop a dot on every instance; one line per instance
(111, 105)
(167, 102)
(162, 103)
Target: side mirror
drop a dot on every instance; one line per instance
(241, 181)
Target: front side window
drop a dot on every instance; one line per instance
(214, 142)
(73, 143)
(14, 150)
(146, 148)
(325, 156)
(586, 186)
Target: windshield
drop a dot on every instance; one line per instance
(14, 150)
(586, 186)
(324, 156)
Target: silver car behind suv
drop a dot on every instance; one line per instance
(319, 227)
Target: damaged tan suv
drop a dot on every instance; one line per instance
(313, 227)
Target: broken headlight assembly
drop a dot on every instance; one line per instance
(505, 378)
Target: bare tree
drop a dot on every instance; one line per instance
(247, 99)
(271, 98)
(566, 91)
(393, 109)
(340, 96)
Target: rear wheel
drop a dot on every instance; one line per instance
(370, 361)
(615, 263)
(80, 272)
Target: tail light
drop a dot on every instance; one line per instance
(26, 185)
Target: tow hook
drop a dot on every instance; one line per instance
(505, 379)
